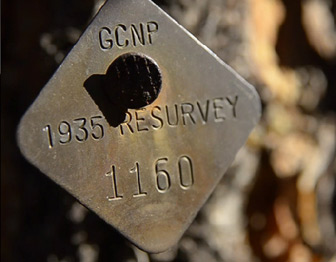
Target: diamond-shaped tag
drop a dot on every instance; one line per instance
(145, 168)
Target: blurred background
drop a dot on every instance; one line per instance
(277, 203)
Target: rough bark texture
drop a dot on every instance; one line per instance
(277, 202)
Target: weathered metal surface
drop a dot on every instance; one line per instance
(145, 171)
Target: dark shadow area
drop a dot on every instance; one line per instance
(334, 203)
(260, 206)
(292, 46)
(113, 111)
(294, 50)
(108, 238)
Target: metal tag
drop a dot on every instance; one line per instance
(139, 122)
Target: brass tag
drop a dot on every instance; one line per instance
(140, 122)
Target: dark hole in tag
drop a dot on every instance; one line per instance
(132, 81)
